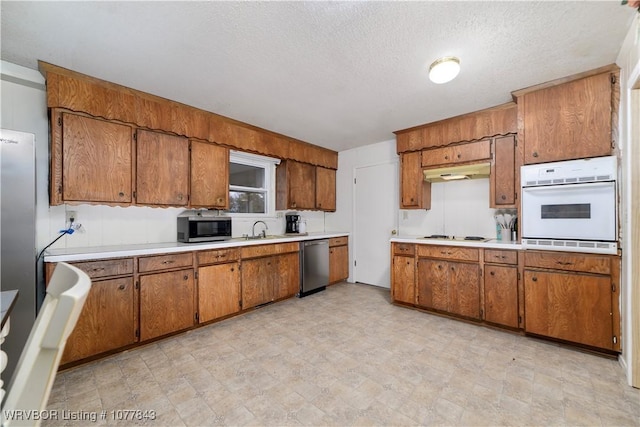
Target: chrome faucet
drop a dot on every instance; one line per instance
(264, 232)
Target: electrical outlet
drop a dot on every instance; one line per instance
(71, 216)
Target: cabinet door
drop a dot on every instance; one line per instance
(338, 263)
(404, 275)
(414, 192)
(107, 320)
(301, 180)
(96, 160)
(472, 151)
(569, 306)
(166, 303)
(209, 175)
(218, 291)
(568, 121)
(162, 169)
(325, 189)
(257, 282)
(286, 275)
(503, 181)
(433, 284)
(464, 289)
(501, 295)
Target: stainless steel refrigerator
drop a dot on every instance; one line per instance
(18, 239)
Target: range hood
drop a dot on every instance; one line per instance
(450, 173)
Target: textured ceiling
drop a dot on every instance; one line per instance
(336, 74)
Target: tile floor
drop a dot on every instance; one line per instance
(346, 356)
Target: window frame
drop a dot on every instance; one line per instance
(269, 165)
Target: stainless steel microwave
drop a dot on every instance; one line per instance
(195, 228)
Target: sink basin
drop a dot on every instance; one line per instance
(268, 237)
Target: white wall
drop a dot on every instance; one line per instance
(24, 108)
(629, 62)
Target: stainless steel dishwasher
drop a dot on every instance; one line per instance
(315, 266)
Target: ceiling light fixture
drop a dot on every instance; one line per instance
(444, 69)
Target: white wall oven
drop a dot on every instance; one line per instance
(570, 206)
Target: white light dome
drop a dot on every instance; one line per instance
(444, 69)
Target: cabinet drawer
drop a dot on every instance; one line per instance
(338, 241)
(106, 268)
(404, 249)
(500, 257)
(480, 150)
(270, 249)
(448, 252)
(217, 256)
(571, 262)
(163, 262)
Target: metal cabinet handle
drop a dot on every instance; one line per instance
(493, 273)
(185, 277)
(121, 194)
(564, 263)
(169, 261)
(503, 197)
(535, 154)
(232, 269)
(458, 155)
(121, 287)
(97, 269)
(535, 279)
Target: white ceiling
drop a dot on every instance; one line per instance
(336, 74)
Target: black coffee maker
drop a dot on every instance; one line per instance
(292, 223)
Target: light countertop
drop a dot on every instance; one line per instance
(489, 244)
(119, 251)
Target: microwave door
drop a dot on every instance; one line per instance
(570, 211)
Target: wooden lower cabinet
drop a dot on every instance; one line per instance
(287, 275)
(453, 287)
(166, 303)
(338, 259)
(501, 295)
(270, 278)
(569, 306)
(573, 297)
(107, 321)
(403, 276)
(218, 291)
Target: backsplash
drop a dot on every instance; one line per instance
(458, 208)
(108, 225)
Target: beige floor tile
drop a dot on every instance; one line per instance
(360, 361)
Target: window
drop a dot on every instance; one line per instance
(250, 184)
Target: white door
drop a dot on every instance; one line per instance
(375, 217)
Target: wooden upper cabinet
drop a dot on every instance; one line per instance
(209, 175)
(499, 120)
(81, 93)
(415, 193)
(295, 185)
(570, 120)
(463, 153)
(325, 189)
(91, 160)
(162, 169)
(503, 179)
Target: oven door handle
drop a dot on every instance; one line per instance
(585, 185)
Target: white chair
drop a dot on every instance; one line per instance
(36, 370)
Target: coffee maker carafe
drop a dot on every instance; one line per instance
(292, 223)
